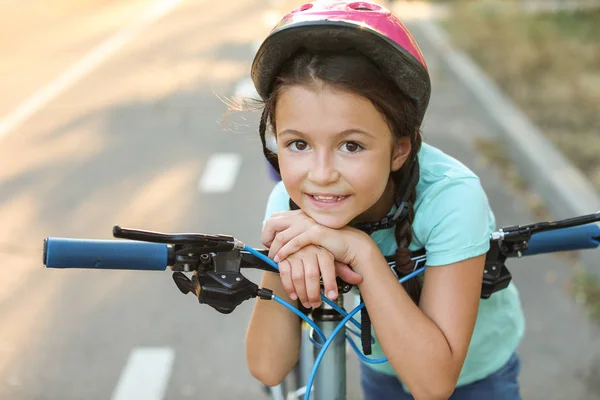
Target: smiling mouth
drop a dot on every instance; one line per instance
(327, 199)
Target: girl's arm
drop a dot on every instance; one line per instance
(426, 344)
(273, 336)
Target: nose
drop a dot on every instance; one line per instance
(323, 170)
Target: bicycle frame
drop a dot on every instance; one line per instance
(330, 382)
(217, 259)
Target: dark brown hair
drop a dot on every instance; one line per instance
(357, 74)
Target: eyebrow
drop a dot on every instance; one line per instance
(342, 133)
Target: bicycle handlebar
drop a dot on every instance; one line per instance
(105, 254)
(137, 255)
(567, 239)
(217, 259)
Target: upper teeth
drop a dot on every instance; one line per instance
(328, 197)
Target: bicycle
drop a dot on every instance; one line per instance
(216, 262)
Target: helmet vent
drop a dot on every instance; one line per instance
(364, 6)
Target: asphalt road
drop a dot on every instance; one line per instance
(129, 142)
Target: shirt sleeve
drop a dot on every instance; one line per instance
(279, 200)
(459, 222)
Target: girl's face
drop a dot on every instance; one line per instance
(336, 153)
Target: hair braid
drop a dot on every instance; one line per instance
(403, 233)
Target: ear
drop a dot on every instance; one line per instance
(401, 152)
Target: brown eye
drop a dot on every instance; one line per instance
(352, 147)
(298, 145)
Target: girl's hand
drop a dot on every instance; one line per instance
(283, 226)
(348, 246)
(301, 275)
(289, 231)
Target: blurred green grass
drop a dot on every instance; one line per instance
(547, 63)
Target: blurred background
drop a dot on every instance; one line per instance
(117, 112)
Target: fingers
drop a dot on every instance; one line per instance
(266, 238)
(285, 273)
(299, 282)
(301, 276)
(312, 280)
(347, 274)
(293, 280)
(279, 222)
(312, 236)
(281, 238)
(328, 272)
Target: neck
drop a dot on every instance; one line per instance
(382, 207)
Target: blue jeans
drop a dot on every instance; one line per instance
(501, 385)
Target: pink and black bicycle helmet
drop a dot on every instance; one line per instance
(339, 25)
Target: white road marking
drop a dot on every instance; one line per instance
(146, 374)
(220, 173)
(84, 66)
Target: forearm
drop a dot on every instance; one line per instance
(415, 347)
(273, 336)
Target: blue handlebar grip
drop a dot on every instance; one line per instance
(104, 254)
(575, 238)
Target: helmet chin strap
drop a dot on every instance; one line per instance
(386, 222)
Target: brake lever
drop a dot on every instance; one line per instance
(204, 243)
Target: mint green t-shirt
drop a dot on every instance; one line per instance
(453, 222)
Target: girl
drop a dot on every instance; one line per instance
(345, 89)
